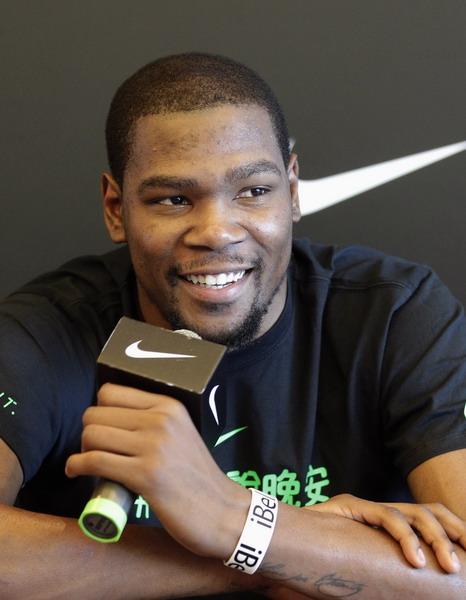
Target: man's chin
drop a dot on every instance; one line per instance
(240, 334)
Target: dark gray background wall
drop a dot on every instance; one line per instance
(362, 81)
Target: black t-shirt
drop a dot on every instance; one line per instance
(362, 378)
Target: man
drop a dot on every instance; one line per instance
(345, 373)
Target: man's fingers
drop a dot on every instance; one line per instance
(111, 394)
(130, 409)
(407, 524)
(112, 439)
(98, 463)
(384, 516)
(437, 528)
(454, 527)
(399, 527)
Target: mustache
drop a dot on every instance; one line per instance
(174, 272)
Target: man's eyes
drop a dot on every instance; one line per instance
(253, 192)
(173, 201)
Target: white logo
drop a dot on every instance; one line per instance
(213, 406)
(317, 194)
(134, 351)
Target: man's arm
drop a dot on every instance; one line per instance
(438, 480)
(442, 479)
(342, 558)
(141, 439)
(49, 558)
(11, 474)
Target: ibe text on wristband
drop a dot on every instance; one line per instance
(257, 533)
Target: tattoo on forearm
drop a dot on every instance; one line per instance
(330, 585)
(337, 587)
(276, 571)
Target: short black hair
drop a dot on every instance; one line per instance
(185, 82)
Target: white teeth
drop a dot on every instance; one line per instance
(216, 281)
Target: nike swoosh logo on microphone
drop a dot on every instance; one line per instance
(317, 194)
(133, 351)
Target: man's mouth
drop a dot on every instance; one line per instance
(215, 281)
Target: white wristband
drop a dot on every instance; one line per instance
(256, 535)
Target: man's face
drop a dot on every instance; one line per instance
(207, 208)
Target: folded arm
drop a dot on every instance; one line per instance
(140, 439)
(49, 558)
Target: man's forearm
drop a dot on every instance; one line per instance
(312, 552)
(324, 556)
(318, 555)
(49, 558)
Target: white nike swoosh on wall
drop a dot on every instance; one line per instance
(317, 194)
(133, 351)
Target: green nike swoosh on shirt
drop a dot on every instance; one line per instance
(227, 436)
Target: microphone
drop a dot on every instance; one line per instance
(153, 359)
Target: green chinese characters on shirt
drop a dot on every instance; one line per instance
(286, 486)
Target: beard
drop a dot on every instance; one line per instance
(240, 334)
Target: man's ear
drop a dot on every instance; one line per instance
(293, 178)
(113, 208)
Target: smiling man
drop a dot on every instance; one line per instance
(206, 210)
(345, 374)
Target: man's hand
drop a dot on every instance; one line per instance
(148, 443)
(434, 523)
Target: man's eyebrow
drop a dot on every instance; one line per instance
(255, 168)
(166, 181)
(232, 175)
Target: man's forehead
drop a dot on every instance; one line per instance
(209, 127)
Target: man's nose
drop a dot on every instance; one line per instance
(215, 226)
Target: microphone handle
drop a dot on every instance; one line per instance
(106, 513)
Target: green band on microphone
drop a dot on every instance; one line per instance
(103, 520)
